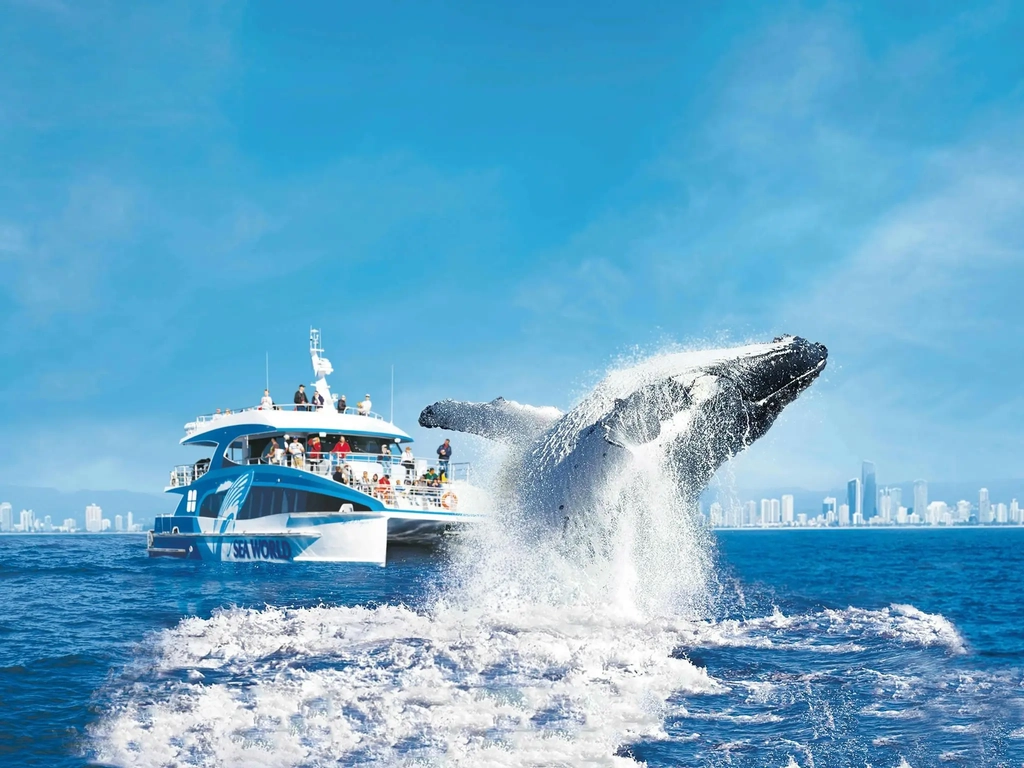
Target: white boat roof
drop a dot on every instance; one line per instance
(304, 419)
(285, 418)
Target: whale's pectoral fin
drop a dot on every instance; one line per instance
(500, 419)
(637, 419)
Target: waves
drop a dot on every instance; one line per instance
(451, 686)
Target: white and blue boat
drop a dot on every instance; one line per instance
(254, 500)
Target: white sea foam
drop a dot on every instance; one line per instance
(395, 686)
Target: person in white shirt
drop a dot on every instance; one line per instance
(365, 405)
(267, 403)
(297, 451)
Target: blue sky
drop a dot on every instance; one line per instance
(505, 201)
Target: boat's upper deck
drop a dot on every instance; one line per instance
(293, 418)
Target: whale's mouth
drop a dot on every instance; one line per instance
(774, 378)
(795, 386)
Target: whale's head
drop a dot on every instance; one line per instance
(705, 407)
(770, 378)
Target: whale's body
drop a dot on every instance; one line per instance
(694, 410)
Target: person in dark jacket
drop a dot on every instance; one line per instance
(301, 401)
(444, 455)
(342, 405)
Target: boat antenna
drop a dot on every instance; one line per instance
(268, 370)
(392, 393)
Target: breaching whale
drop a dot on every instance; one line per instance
(694, 409)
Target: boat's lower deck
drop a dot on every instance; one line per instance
(302, 537)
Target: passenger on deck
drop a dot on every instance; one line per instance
(364, 482)
(315, 452)
(300, 399)
(270, 451)
(444, 455)
(408, 464)
(296, 451)
(431, 476)
(267, 403)
(342, 405)
(365, 405)
(340, 475)
(341, 449)
(318, 400)
(217, 414)
(385, 489)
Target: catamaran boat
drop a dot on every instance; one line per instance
(259, 498)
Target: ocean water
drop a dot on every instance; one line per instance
(828, 648)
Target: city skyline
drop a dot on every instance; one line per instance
(867, 505)
(29, 523)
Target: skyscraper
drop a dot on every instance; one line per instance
(869, 503)
(6, 516)
(131, 522)
(844, 515)
(787, 509)
(766, 511)
(750, 513)
(853, 501)
(885, 506)
(828, 507)
(119, 521)
(27, 520)
(920, 498)
(984, 507)
(93, 518)
(895, 500)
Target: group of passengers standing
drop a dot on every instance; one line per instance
(292, 452)
(303, 403)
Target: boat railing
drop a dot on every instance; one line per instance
(370, 463)
(397, 467)
(186, 474)
(203, 421)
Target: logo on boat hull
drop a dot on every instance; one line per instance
(260, 549)
(233, 501)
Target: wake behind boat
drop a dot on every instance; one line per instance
(308, 481)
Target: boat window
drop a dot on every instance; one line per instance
(370, 445)
(211, 504)
(262, 502)
(238, 451)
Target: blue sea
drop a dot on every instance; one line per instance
(814, 648)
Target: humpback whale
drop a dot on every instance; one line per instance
(691, 410)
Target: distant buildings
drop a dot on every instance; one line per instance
(984, 507)
(920, 497)
(854, 498)
(28, 522)
(869, 499)
(93, 518)
(788, 517)
(867, 506)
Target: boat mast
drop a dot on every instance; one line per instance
(322, 367)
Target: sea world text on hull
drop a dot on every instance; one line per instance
(309, 480)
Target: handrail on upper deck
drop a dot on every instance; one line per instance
(193, 426)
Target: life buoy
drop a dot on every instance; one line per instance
(453, 504)
(149, 539)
